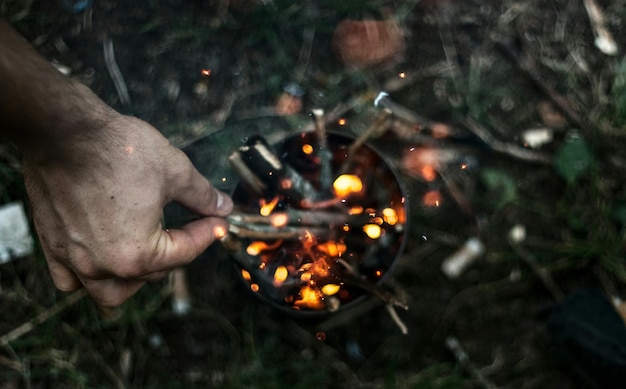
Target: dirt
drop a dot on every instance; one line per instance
(509, 65)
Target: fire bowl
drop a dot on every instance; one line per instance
(317, 224)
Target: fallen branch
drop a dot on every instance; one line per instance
(498, 146)
(353, 279)
(42, 317)
(462, 358)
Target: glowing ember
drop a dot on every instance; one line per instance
(356, 210)
(257, 247)
(279, 219)
(333, 249)
(310, 298)
(246, 275)
(342, 122)
(280, 275)
(206, 72)
(255, 287)
(347, 184)
(373, 231)
(330, 289)
(390, 216)
(432, 198)
(267, 208)
(307, 149)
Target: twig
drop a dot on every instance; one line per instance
(539, 271)
(42, 317)
(247, 175)
(396, 319)
(354, 279)
(114, 71)
(505, 148)
(261, 232)
(462, 358)
(181, 298)
(292, 217)
(324, 153)
(604, 40)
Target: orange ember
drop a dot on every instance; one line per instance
(310, 298)
(333, 249)
(280, 275)
(347, 184)
(307, 149)
(432, 198)
(390, 216)
(267, 207)
(373, 231)
(279, 219)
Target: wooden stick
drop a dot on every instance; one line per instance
(265, 232)
(42, 317)
(354, 279)
(326, 174)
(462, 358)
(505, 148)
(297, 217)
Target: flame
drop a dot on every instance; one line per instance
(279, 219)
(330, 289)
(373, 231)
(268, 207)
(219, 232)
(346, 184)
(390, 216)
(280, 275)
(422, 161)
(307, 149)
(356, 210)
(432, 198)
(246, 275)
(310, 298)
(257, 247)
(333, 249)
(378, 220)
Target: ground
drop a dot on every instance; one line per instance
(475, 76)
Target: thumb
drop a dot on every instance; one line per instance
(198, 195)
(178, 247)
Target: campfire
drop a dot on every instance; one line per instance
(319, 221)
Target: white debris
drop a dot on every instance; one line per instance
(15, 238)
(537, 137)
(517, 234)
(455, 264)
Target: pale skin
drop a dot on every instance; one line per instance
(98, 181)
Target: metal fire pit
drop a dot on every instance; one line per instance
(305, 247)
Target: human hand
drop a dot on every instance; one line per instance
(97, 207)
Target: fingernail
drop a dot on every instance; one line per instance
(220, 200)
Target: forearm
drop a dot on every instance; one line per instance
(41, 110)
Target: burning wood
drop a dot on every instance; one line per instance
(318, 224)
